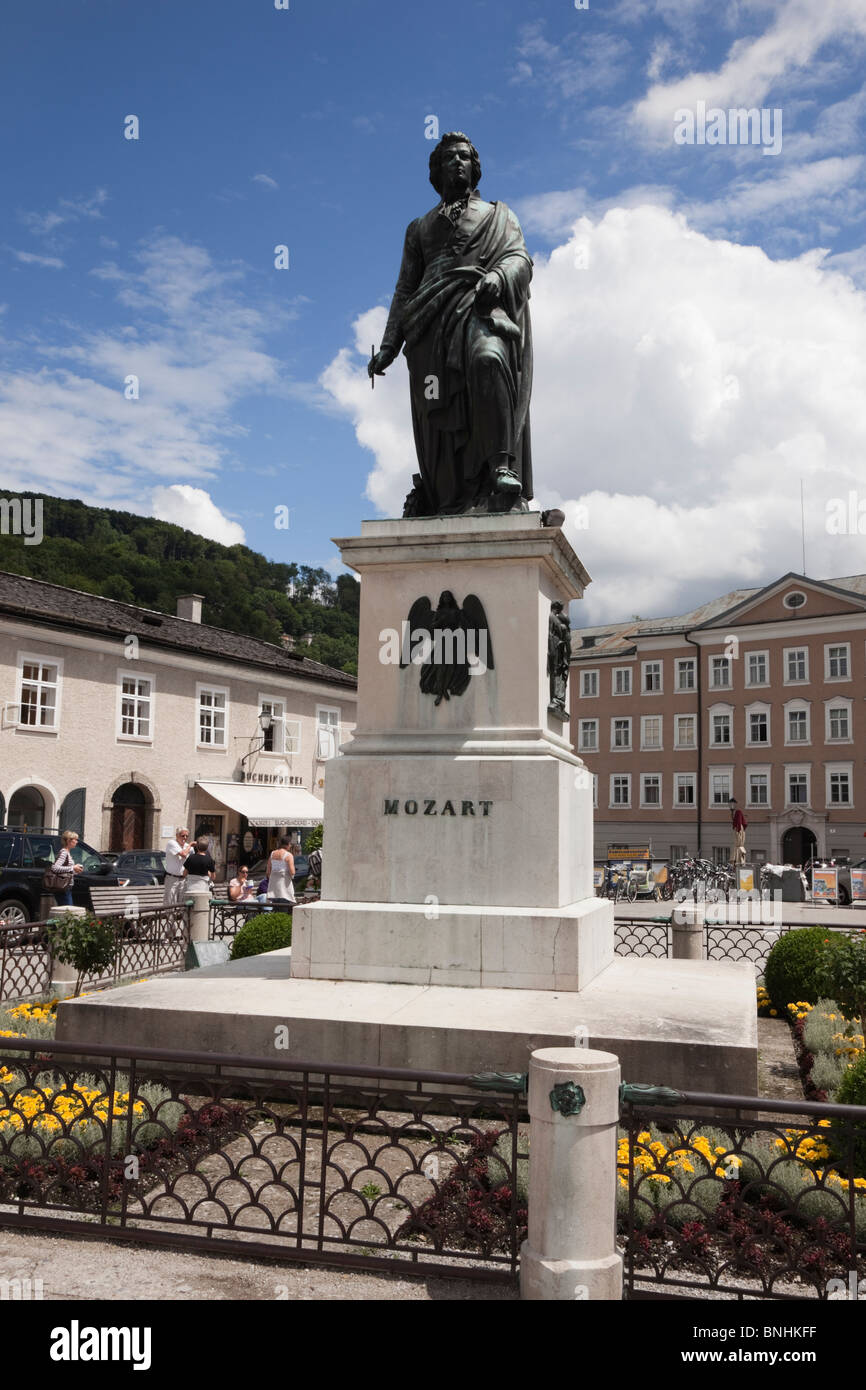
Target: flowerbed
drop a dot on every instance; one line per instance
(54, 1136)
(706, 1201)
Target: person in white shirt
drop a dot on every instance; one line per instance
(177, 851)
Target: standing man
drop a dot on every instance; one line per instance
(177, 851)
(738, 825)
(461, 309)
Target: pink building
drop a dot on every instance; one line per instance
(757, 695)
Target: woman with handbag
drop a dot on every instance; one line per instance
(61, 876)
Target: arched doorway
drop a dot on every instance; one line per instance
(128, 813)
(27, 810)
(798, 845)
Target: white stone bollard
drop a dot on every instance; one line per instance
(687, 939)
(570, 1251)
(199, 916)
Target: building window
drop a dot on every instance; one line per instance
(838, 724)
(136, 711)
(620, 789)
(621, 680)
(720, 672)
(589, 735)
(759, 726)
(839, 786)
(212, 712)
(798, 787)
(684, 793)
(759, 789)
(721, 726)
(720, 855)
(838, 662)
(796, 665)
(39, 700)
(652, 677)
(327, 733)
(651, 731)
(677, 852)
(795, 599)
(588, 684)
(686, 673)
(685, 731)
(757, 668)
(651, 789)
(720, 786)
(620, 733)
(284, 735)
(796, 725)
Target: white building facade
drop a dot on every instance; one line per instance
(123, 723)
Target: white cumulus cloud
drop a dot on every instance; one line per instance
(684, 385)
(194, 509)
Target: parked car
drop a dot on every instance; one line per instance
(142, 861)
(24, 859)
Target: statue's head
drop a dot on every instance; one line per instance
(450, 138)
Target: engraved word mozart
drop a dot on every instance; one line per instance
(430, 807)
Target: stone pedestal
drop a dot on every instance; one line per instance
(459, 834)
(458, 928)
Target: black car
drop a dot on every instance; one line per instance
(24, 857)
(141, 861)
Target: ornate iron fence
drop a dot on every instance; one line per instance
(743, 1197)
(226, 918)
(25, 961)
(377, 1168)
(152, 943)
(647, 936)
(638, 936)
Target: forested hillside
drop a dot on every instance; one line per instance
(139, 560)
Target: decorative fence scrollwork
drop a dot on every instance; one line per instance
(292, 1159)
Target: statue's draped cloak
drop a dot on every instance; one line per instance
(433, 314)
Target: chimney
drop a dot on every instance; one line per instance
(189, 607)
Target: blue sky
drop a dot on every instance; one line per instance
(698, 310)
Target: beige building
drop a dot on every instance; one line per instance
(123, 723)
(757, 695)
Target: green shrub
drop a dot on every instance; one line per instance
(852, 1091)
(86, 942)
(842, 975)
(271, 931)
(819, 1027)
(314, 839)
(792, 965)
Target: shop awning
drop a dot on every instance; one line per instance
(291, 806)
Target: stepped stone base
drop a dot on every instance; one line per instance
(488, 947)
(687, 1024)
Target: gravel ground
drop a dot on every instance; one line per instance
(73, 1270)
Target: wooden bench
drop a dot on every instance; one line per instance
(130, 901)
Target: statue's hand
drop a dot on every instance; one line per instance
(488, 292)
(383, 358)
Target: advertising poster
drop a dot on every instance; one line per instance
(746, 880)
(858, 885)
(824, 885)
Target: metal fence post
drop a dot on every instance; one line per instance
(570, 1251)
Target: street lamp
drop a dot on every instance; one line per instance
(266, 719)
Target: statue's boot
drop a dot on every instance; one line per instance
(504, 480)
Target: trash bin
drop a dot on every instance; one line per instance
(792, 886)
